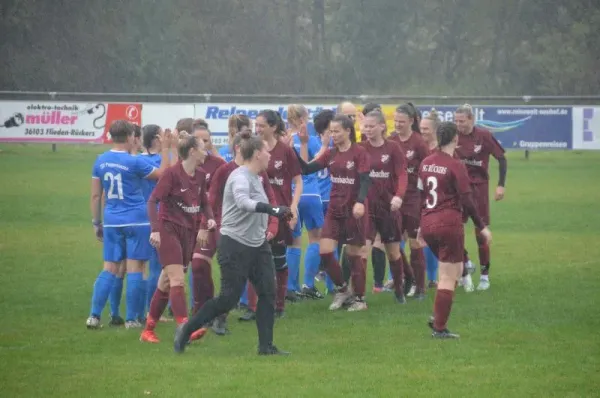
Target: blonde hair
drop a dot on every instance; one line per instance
(185, 144)
(236, 123)
(465, 109)
(380, 117)
(434, 117)
(295, 113)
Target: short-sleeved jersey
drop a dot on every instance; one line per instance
(324, 179)
(443, 179)
(121, 175)
(388, 166)
(217, 188)
(345, 169)
(226, 154)
(310, 183)
(474, 151)
(283, 167)
(415, 150)
(210, 166)
(182, 197)
(148, 185)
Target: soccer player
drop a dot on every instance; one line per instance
(215, 196)
(388, 173)
(153, 146)
(310, 211)
(182, 195)
(445, 193)
(283, 171)
(235, 124)
(321, 123)
(125, 230)
(415, 150)
(203, 286)
(428, 126)
(243, 250)
(475, 145)
(346, 220)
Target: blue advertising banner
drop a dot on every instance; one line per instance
(521, 127)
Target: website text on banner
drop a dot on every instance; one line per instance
(62, 122)
(586, 128)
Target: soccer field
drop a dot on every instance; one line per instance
(536, 332)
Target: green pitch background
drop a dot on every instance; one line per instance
(536, 332)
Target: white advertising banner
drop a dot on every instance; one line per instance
(586, 127)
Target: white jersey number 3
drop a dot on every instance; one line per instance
(111, 194)
(432, 199)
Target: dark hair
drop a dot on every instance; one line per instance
(199, 124)
(249, 144)
(410, 111)
(185, 124)
(273, 119)
(186, 143)
(347, 124)
(119, 131)
(322, 120)
(418, 115)
(380, 119)
(446, 131)
(370, 107)
(137, 130)
(151, 131)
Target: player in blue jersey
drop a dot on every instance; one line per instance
(321, 126)
(152, 154)
(125, 228)
(310, 211)
(235, 124)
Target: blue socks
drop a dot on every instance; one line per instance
(312, 260)
(142, 299)
(132, 295)
(432, 264)
(154, 270)
(102, 288)
(115, 296)
(293, 256)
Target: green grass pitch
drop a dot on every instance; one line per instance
(536, 332)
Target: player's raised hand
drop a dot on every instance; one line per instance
(303, 133)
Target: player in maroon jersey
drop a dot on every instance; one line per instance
(346, 219)
(182, 195)
(388, 173)
(284, 170)
(475, 145)
(446, 191)
(203, 286)
(415, 150)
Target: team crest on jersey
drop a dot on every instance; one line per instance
(207, 176)
(278, 164)
(477, 148)
(385, 158)
(350, 165)
(410, 153)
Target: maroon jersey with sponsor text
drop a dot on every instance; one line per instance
(182, 198)
(283, 167)
(217, 187)
(474, 151)
(415, 150)
(344, 168)
(388, 174)
(443, 179)
(210, 166)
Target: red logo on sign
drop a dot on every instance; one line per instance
(130, 112)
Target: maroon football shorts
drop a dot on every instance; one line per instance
(387, 224)
(447, 242)
(411, 218)
(176, 244)
(210, 248)
(285, 235)
(481, 198)
(348, 230)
